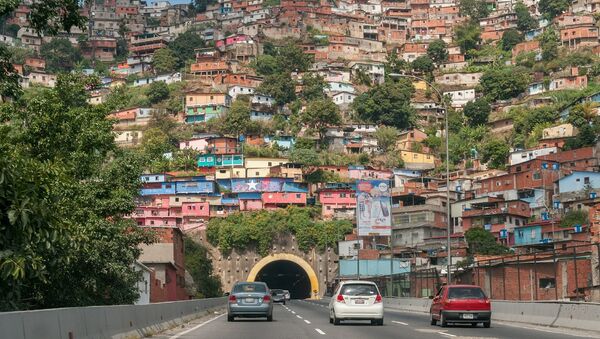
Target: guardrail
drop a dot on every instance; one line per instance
(120, 321)
(574, 315)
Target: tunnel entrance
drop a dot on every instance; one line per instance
(286, 275)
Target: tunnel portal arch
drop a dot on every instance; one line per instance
(273, 259)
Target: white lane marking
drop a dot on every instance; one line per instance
(196, 327)
(299, 317)
(447, 334)
(319, 331)
(293, 312)
(306, 321)
(399, 322)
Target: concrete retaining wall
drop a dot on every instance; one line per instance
(576, 315)
(122, 321)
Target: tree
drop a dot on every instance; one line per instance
(291, 58)
(502, 83)
(392, 65)
(200, 5)
(60, 55)
(474, 9)
(157, 92)
(306, 157)
(9, 79)
(313, 87)
(423, 64)
(510, 38)
(574, 217)
(50, 16)
(524, 20)
(65, 191)
(386, 138)
(438, 51)
(320, 114)
(164, 61)
(185, 45)
(584, 114)
(468, 36)
(495, 153)
(237, 120)
(265, 64)
(280, 86)
(587, 136)
(553, 8)
(477, 112)
(199, 264)
(483, 242)
(387, 104)
(549, 43)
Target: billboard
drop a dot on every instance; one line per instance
(373, 207)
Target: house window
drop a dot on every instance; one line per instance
(586, 180)
(298, 195)
(547, 283)
(537, 176)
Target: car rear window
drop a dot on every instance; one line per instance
(359, 289)
(465, 293)
(249, 288)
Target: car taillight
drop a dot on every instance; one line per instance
(487, 301)
(232, 299)
(340, 298)
(378, 299)
(266, 298)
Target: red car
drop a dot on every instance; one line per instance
(461, 304)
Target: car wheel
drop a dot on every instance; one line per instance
(284, 302)
(380, 322)
(270, 317)
(336, 321)
(474, 324)
(230, 317)
(443, 322)
(487, 324)
(433, 321)
(374, 322)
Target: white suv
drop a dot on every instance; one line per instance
(356, 300)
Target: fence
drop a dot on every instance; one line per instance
(558, 274)
(415, 284)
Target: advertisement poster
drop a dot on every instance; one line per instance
(374, 207)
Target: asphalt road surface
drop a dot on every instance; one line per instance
(310, 319)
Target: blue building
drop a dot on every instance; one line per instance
(579, 181)
(218, 160)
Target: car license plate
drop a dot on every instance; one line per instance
(249, 300)
(467, 316)
(359, 301)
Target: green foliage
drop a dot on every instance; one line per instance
(265, 64)
(319, 114)
(423, 64)
(185, 45)
(164, 60)
(244, 231)
(510, 38)
(466, 139)
(157, 92)
(575, 217)
(261, 151)
(49, 16)
(387, 104)
(361, 77)
(477, 112)
(322, 176)
(199, 264)
(438, 51)
(525, 22)
(553, 8)
(468, 35)
(473, 9)
(587, 136)
(313, 87)
(307, 157)
(549, 42)
(237, 120)
(386, 138)
(526, 120)
(60, 55)
(501, 83)
(200, 5)
(280, 86)
(584, 114)
(9, 79)
(495, 153)
(392, 65)
(64, 191)
(291, 58)
(483, 242)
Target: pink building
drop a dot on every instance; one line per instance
(251, 204)
(364, 172)
(282, 199)
(195, 209)
(198, 144)
(336, 199)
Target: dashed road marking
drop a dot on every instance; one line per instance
(447, 334)
(399, 322)
(299, 317)
(293, 312)
(306, 321)
(319, 331)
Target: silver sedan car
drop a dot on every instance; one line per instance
(250, 300)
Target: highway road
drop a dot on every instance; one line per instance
(309, 319)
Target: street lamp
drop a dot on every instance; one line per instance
(448, 224)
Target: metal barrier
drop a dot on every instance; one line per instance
(120, 321)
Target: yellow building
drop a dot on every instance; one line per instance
(420, 85)
(417, 160)
(261, 167)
